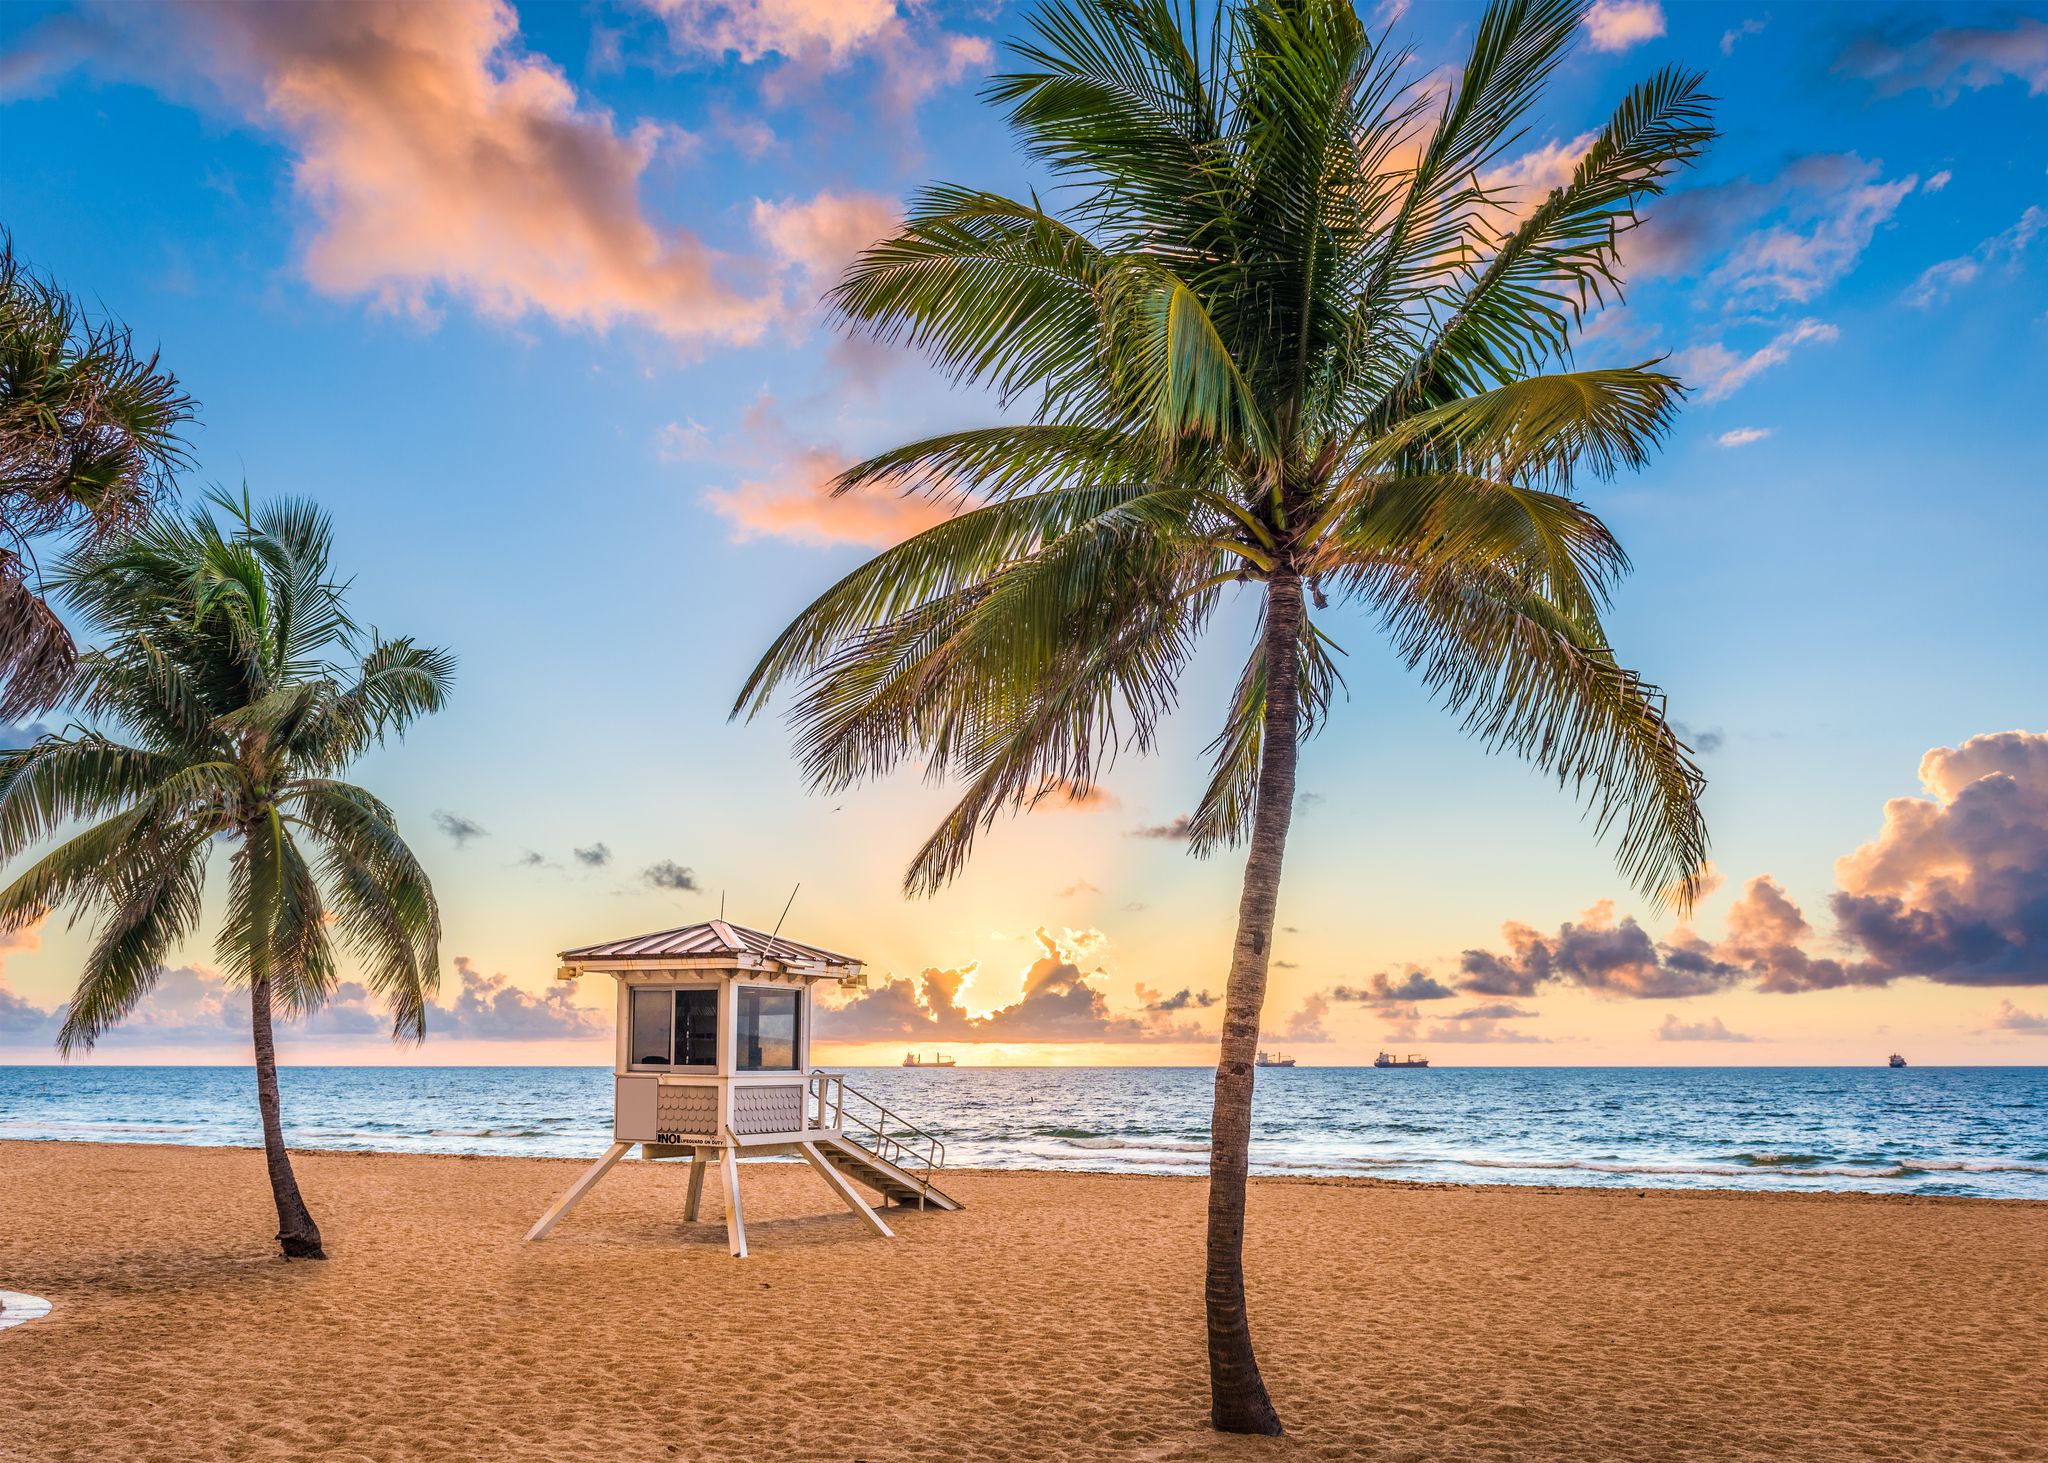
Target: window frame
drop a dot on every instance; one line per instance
(675, 1033)
(741, 990)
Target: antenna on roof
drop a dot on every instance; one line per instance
(721, 904)
(785, 910)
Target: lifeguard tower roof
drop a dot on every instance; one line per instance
(711, 939)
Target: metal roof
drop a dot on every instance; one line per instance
(712, 937)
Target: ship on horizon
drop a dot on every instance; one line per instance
(914, 1060)
(1388, 1059)
(1272, 1059)
(1897, 1060)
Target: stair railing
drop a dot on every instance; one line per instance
(873, 1126)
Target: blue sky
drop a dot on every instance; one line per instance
(525, 297)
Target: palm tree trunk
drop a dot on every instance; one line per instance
(297, 1235)
(1237, 1394)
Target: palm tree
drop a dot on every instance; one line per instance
(89, 438)
(1285, 339)
(235, 727)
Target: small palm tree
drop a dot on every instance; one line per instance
(1287, 340)
(214, 671)
(89, 438)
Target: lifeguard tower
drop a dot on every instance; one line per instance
(714, 1065)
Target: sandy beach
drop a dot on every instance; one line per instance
(1057, 1317)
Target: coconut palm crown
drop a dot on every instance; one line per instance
(216, 714)
(1287, 335)
(90, 438)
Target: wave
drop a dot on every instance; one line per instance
(1157, 1145)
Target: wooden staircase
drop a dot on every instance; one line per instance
(866, 1142)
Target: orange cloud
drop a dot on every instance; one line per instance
(787, 493)
(439, 157)
(820, 236)
(1617, 25)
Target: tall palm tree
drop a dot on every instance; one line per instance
(215, 669)
(1287, 339)
(89, 439)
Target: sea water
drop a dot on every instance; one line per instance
(1920, 1130)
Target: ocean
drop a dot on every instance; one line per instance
(1921, 1130)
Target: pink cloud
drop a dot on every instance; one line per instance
(821, 235)
(786, 492)
(1619, 25)
(1950, 60)
(1716, 371)
(2002, 250)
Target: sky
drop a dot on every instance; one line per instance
(527, 297)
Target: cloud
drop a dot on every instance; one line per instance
(1079, 887)
(1619, 25)
(1711, 1029)
(2004, 248)
(1381, 989)
(1954, 888)
(811, 38)
(13, 737)
(1176, 829)
(1523, 183)
(789, 492)
(595, 857)
(1938, 182)
(491, 1008)
(1785, 239)
(683, 441)
(670, 875)
(2009, 1018)
(1704, 740)
(1181, 1000)
(456, 826)
(821, 235)
(1950, 60)
(1718, 372)
(1478, 1024)
(1065, 794)
(1057, 1003)
(1306, 1025)
(1743, 436)
(439, 158)
(1747, 28)
(1616, 958)
(22, 1022)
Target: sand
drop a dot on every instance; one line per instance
(1058, 1316)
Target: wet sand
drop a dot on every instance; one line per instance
(1058, 1316)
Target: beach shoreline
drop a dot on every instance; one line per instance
(1058, 1315)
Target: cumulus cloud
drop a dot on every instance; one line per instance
(1955, 886)
(1705, 740)
(594, 857)
(1523, 182)
(1743, 436)
(1181, 1000)
(13, 737)
(1598, 952)
(2001, 251)
(1620, 25)
(1058, 1003)
(1954, 889)
(670, 875)
(1382, 990)
(491, 1008)
(1717, 372)
(463, 830)
(810, 38)
(1176, 829)
(1476, 1024)
(22, 1022)
(820, 236)
(1950, 60)
(1711, 1029)
(194, 1006)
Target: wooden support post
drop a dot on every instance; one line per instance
(735, 1222)
(700, 1159)
(843, 1187)
(578, 1189)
